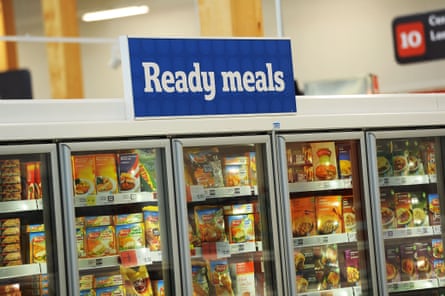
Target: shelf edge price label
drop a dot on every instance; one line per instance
(136, 257)
(197, 192)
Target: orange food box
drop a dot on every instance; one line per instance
(106, 173)
(100, 241)
(324, 161)
(243, 276)
(329, 213)
(37, 247)
(84, 175)
(303, 216)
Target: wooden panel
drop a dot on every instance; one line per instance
(247, 18)
(60, 20)
(231, 18)
(8, 50)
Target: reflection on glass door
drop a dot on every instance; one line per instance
(227, 200)
(118, 229)
(410, 198)
(31, 242)
(327, 214)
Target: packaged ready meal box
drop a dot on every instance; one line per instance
(84, 175)
(236, 170)
(329, 213)
(147, 168)
(303, 216)
(32, 180)
(243, 277)
(324, 160)
(130, 236)
(37, 247)
(129, 174)
(100, 241)
(349, 219)
(205, 167)
(241, 228)
(106, 173)
(152, 228)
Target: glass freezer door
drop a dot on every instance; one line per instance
(120, 218)
(31, 241)
(408, 198)
(327, 214)
(227, 213)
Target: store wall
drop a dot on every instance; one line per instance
(330, 39)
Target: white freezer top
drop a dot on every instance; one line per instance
(97, 118)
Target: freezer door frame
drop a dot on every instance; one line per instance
(372, 136)
(282, 139)
(53, 169)
(180, 185)
(166, 203)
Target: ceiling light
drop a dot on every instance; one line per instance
(114, 13)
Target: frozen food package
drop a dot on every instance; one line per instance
(37, 247)
(243, 276)
(324, 160)
(10, 180)
(236, 170)
(210, 223)
(344, 160)
(152, 228)
(393, 268)
(388, 209)
(115, 291)
(419, 205)
(400, 157)
(414, 157)
(404, 214)
(199, 279)
(327, 269)
(303, 216)
(349, 219)
(32, 181)
(437, 248)
(434, 208)
(206, 167)
(219, 277)
(329, 214)
(424, 260)
(147, 167)
(240, 228)
(130, 236)
(429, 156)
(136, 281)
(129, 173)
(108, 280)
(103, 220)
(352, 260)
(106, 173)
(84, 175)
(407, 262)
(384, 159)
(128, 218)
(100, 241)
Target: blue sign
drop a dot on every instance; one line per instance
(189, 77)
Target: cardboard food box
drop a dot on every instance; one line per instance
(424, 260)
(92, 221)
(324, 161)
(419, 205)
(32, 180)
(349, 218)
(404, 213)
(84, 175)
(37, 247)
(128, 218)
(106, 174)
(384, 158)
(303, 216)
(407, 262)
(393, 269)
(352, 259)
(147, 168)
(100, 241)
(236, 170)
(152, 228)
(130, 236)
(329, 214)
(240, 228)
(243, 277)
(388, 209)
(205, 167)
(434, 208)
(129, 173)
(400, 157)
(344, 160)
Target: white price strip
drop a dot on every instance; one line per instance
(352, 236)
(437, 229)
(197, 192)
(136, 257)
(242, 248)
(222, 249)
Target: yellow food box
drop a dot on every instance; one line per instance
(106, 173)
(84, 175)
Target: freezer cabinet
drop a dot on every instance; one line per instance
(407, 188)
(323, 181)
(119, 217)
(31, 241)
(228, 216)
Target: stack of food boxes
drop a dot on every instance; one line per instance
(20, 180)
